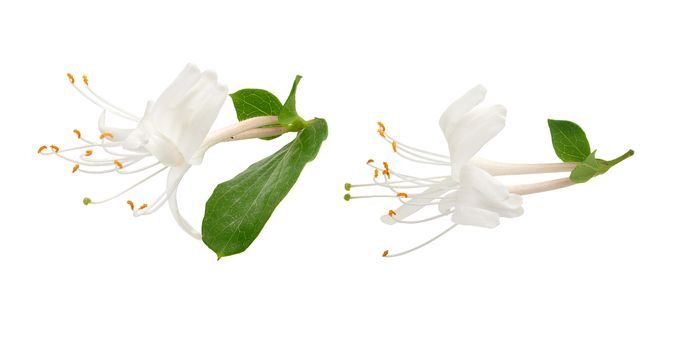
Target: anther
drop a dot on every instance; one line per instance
(117, 162)
(77, 132)
(375, 173)
(42, 148)
(347, 197)
(403, 195)
(85, 79)
(385, 165)
(105, 134)
(143, 206)
(385, 253)
(391, 213)
(88, 153)
(76, 167)
(386, 173)
(394, 146)
(131, 204)
(70, 78)
(54, 148)
(370, 161)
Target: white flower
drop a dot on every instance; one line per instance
(467, 191)
(169, 137)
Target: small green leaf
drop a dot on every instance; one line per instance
(569, 140)
(239, 208)
(250, 103)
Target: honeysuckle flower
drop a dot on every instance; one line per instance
(170, 137)
(467, 191)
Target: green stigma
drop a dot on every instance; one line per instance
(347, 186)
(86, 201)
(347, 197)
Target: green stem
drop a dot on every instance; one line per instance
(625, 156)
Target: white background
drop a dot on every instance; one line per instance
(588, 267)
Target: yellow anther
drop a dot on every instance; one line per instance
(391, 213)
(117, 162)
(402, 195)
(381, 129)
(143, 206)
(394, 146)
(84, 79)
(77, 132)
(375, 173)
(385, 253)
(54, 148)
(76, 167)
(370, 161)
(105, 134)
(131, 204)
(42, 148)
(70, 78)
(381, 126)
(88, 153)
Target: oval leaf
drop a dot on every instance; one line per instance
(239, 208)
(568, 140)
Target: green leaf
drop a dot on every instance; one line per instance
(591, 167)
(568, 140)
(239, 208)
(251, 103)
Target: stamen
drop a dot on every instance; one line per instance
(85, 79)
(370, 161)
(420, 245)
(131, 204)
(375, 173)
(391, 213)
(117, 162)
(42, 148)
(381, 129)
(75, 167)
(386, 173)
(402, 195)
(54, 148)
(88, 153)
(143, 206)
(70, 78)
(394, 146)
(385, 253)
(77, 132)
(105, 134)
(385, 165)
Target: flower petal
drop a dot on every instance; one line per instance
(475, 217)
(461, 106)
(173, 180)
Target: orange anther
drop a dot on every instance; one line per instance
(386, 173)
(117, 162)
(381, 126)
(84, 79)
(381, 129)
(70, 78)
(42, 148)
(391, 213)
(76, 167)
(394, 146)
(385, 165)
(370, 161)
(381, 132)
(403, 195)
(375, 173)
(385, 253)
(77, 132)
(131, 204)
(105, 134)
(88, 153)
(143, 206)
(54, 148)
